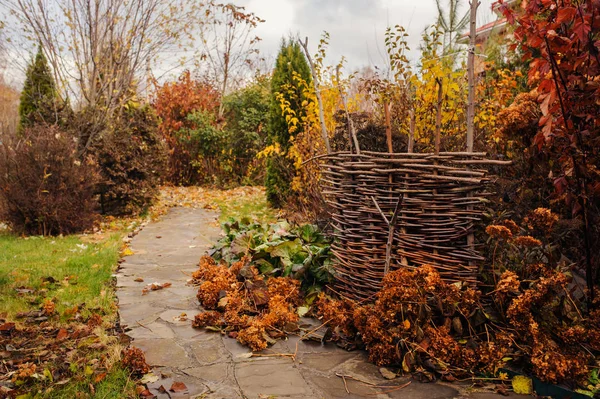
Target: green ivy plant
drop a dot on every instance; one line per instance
(279, 249)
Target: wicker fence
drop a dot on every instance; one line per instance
(403, 210)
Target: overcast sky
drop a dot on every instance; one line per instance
(356, 27)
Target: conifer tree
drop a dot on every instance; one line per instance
(280, 170)
(38, 98)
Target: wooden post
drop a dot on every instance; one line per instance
(411, 132)
(438, 117)
(350, 123)
(438, 133)
(318, 95)
(471, 97)
(471, 75)
(388, 126)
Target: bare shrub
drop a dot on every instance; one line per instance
(131, 158)
(44, 187)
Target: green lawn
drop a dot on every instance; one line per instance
(67, 270)
(252, 204)
(73, 272)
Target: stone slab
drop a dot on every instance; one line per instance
(278, 378)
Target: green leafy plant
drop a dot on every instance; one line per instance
(39, 98)
(285, 89)
(279, 249)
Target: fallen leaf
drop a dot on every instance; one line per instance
(144, 392)
(387, 373)
(178, 387)
(501, 389)
(149, 378)
(62, 334)
(6, 328)
(139, 280)
(127, 252)
(155, 287)
(522, 385)
(302, 310)
(99, 377)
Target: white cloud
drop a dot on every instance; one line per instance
(356, 27)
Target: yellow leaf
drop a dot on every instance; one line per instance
(127, 252)
(522, 385)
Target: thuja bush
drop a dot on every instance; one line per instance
(45, 187)
(131, 157)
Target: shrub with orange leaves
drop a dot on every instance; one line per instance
(173, 103)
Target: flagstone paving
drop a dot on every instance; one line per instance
(215, 366)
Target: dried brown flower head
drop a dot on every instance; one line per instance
(541, 219)
(498, 231)
(133, 358)
(527, 242)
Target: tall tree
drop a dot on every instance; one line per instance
(451, 22)
(38, 98)
(285, 89)
(100, 50)
(9, 97)
(228, 45)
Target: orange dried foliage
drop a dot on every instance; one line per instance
(254, 337)
(205, 319)
(255, 309)
(508, 283)
(133, 358)
(24, 371)
(401, 325)
(511, 225)
(541, 219)
(48, 307)
(216, 279)
(498, 231)
(520, 118)
(94, 321)
(527, 241)
(285, 287)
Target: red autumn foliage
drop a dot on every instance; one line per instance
(560, 40)
(173, 102)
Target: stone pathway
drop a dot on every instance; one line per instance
(214, 366)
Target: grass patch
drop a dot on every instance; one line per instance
(81, 271)
(235, 203)
(251, 204)
(75, 274)
(117, 385)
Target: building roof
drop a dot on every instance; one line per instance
(485, 30)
